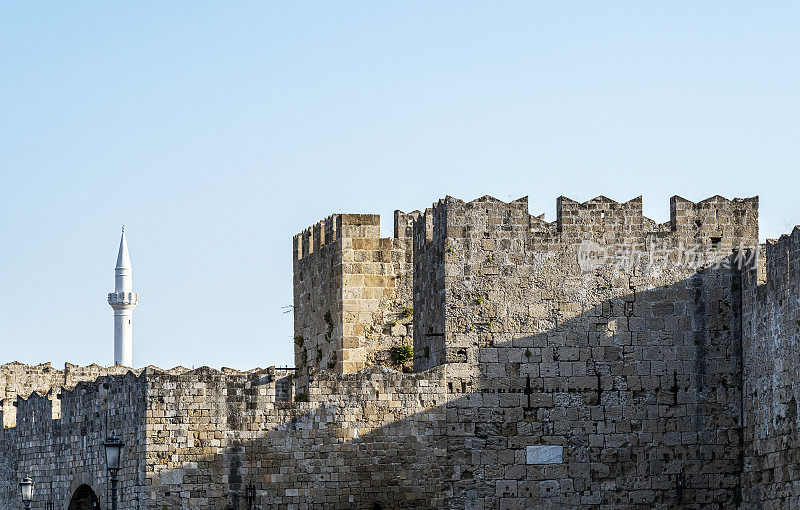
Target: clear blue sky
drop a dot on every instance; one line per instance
(216, 131)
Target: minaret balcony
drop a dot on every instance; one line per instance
(123, 299)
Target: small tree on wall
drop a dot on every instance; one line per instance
(402, 354)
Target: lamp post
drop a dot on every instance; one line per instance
(113, 447)
(250, 495)
(26, 491)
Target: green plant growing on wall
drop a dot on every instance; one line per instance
(478, 301)
(298, 341)
(527, 353)
(402, 354)
(407, 312)
(301, 397)
(489, 259)
(329, 322)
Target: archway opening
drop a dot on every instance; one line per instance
(84, 498)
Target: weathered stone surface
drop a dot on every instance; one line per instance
(544, 454)
(771, 375)
(661, 374)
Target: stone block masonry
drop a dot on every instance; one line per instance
(19, 379)
(771, 375)
(544, 454)
(352, 293)
(634, 357)
(600, 360)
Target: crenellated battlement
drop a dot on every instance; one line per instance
(21, 380)
(35, 413)
(599, 218)
(596, 217)
(715, 217)
(313, 238)
(404, 224)
(334, 228)
(495, 235)
(40, 411)
(773, 277)
(782, 266)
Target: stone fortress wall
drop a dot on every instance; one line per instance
(197, 438)
(599, 360)
(61, 453)
(771, 375)
(18, 379)
(631, 364)
(165, 418)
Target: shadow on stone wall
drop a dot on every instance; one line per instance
(643, 392)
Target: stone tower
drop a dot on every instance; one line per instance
(123, 300)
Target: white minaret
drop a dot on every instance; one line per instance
(123, 300)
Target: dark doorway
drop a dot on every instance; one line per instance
(84, 498)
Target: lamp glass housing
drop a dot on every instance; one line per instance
(26, 489)
(113, 447)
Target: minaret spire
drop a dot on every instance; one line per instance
(123, 300)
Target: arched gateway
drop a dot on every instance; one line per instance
(84, 498)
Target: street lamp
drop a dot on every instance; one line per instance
(26, 491)
(113, 447)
